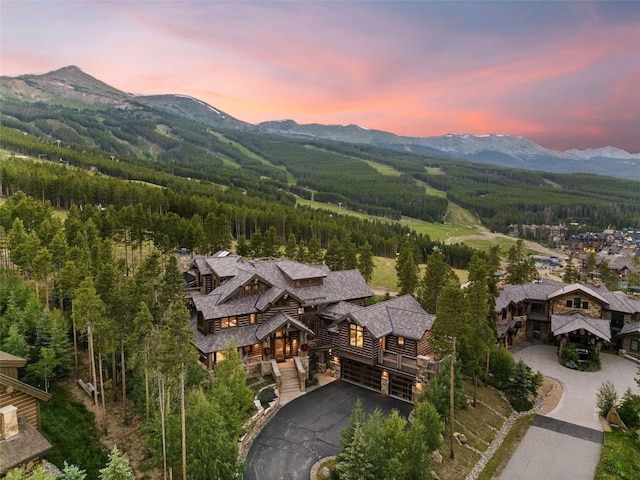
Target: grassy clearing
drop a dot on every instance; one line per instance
(620, 456)
(72, 431)
(383, 169)
(478, 425)
(434, 170)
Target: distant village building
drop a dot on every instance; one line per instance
(548, 233)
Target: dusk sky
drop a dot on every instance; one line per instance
(563, 74)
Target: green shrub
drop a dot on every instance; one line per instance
(521, 404)
(501, 367)
(629, 409)
(606, 397)
(266, 396)
(569, 354)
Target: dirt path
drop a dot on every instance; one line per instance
(113, 431)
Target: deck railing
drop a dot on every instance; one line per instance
(397, 361)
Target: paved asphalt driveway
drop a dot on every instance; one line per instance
(566, 443)
(308, 428)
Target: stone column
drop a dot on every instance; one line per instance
(384, 381)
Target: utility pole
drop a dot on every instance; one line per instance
(452, 397)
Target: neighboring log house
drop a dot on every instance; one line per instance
(20, 439)
(581, 314)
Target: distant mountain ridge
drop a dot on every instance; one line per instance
(71, 87)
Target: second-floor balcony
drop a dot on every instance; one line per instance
(397, 361)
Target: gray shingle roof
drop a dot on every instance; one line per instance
(402, 316)
(276, 322)
(573, 321)
(338, 310)
(575, 287)
(27, 445)
(631, 327)
(300, 271)
(242, 336)
(616, 301)
(336, 286)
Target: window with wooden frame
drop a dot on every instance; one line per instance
(226, 322)
(252, 318)
(356, 335)
(634, 345)
(401, 341)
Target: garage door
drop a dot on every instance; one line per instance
(401, 387)
(365, 375)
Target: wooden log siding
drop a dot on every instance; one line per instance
(370, 345)
(9, 371)
(424, 346)
(26, 404)
(409, 349)
(626, 345)
(323, 336)
(290, 308)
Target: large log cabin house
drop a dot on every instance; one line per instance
(281, 310)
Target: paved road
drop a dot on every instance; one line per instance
(308, 428)
(566, 443)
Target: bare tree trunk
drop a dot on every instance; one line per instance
(104, 409)
(92, 365)
(452, 395)
(123, 374)
(164, 439)
(184, 428)
(46, 291)
(75, 341)
(486, 370)
(475, 388)
(146, 383)
(114, 369)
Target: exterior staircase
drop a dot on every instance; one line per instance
(289, 378)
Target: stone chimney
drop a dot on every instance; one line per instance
(8, 422)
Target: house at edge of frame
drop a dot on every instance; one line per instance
(581, 314)
(299, 319)
(21, 442)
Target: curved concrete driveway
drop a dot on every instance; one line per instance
(308, 428)
(566, 443)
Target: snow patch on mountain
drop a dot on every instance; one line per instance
(603, 152)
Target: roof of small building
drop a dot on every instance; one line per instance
(574, 321)
(27, 445)
(10, 360)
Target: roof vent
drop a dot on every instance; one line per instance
(8, 422)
